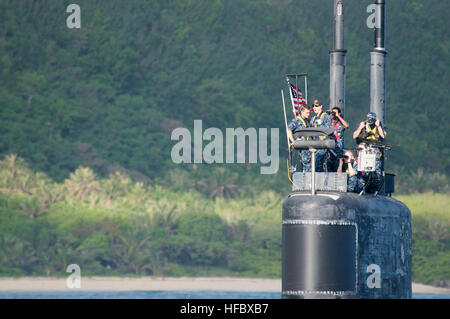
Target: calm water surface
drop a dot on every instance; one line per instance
(197, 294)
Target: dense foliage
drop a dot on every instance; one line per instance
(113, 226)
(108, 95)
(431, 237)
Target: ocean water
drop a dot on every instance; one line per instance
(195, 294)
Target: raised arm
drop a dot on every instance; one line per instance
(339, 169)
(351, 170)
(344, 122)
(380, 130)
(358, 130)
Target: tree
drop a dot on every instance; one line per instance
(82, 183)
(221, 183)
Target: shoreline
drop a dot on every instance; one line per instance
(163, 284)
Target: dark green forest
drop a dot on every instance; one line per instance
(109, 94)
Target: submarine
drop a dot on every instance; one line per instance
(337, 244)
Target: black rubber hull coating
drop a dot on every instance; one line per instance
(341, 245)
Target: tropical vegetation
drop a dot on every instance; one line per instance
(114, 226)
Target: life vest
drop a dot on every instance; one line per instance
(313, 122)
(374, 136)
(335, 127)
(305, 123)
(367, 130)
(320, 117)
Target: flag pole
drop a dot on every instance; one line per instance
(285, 121)
(290, 96)
(306, 88)
(305, 97)
(290, 168)
(296, 87)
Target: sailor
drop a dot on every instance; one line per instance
(297, 123)
(372, 129)
(348, 163)
(338, 124)
(320, 119)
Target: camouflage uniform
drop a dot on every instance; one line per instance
(305, 155)
(373, 180)
(338, 151)
(355, 183)
(322, 120)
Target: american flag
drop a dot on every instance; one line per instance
(296, 98)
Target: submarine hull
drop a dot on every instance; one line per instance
(342, 245)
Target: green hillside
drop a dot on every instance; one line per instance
(109, 94)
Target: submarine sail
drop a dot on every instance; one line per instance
(338, 244)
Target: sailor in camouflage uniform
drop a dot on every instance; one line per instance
(372, 129)
(320, 119)
(297, 123)
(348, 164)
(338, 124)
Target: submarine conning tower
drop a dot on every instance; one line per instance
(342, 245)
(337, 244)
